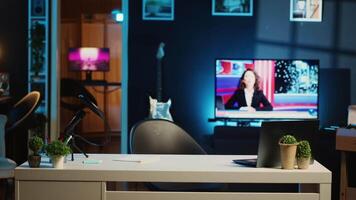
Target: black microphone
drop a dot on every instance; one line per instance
(91, 105)
(74, 122)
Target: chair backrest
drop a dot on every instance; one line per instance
(352, 115)
(158, 136)
(3, 120)
(72, 88)
(22, 110)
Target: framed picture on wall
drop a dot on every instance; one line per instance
(232, 7)
(158, 9)
(306, 10)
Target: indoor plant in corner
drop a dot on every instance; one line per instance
(35, 144)
(37, 43)
(57, 150)
(303, 154)
(288, 146)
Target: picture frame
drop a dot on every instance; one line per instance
(232, 7)
(306, 10)
(158, 10)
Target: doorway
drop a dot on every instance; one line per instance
(88, 26)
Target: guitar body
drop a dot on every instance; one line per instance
(159, 109)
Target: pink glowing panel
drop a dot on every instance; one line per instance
(89, 59)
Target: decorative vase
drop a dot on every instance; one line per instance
(288, 152)
(57, 162)
(303, 163)
(34, 161)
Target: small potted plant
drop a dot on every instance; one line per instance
(57, 150)
(35, 144)
(303, 154)
(288, 146)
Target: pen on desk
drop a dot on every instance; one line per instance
(137, 161)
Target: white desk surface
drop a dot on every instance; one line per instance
(171, 168)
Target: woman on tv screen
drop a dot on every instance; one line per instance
(248, 96)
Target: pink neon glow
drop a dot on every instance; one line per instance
(89, 59)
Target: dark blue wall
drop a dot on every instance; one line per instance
(195, 38)
(13, 44)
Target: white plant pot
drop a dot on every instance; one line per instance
(57, 162)
(303, 163)
(288, 152)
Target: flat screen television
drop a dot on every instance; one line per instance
(89, 59)
(283, 90)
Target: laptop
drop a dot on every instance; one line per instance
(271, 131)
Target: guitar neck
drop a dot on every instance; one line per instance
(159, 81)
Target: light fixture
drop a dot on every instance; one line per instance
(117, 15)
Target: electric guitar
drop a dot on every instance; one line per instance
(159, 109)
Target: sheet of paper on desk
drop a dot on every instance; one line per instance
(137, 158)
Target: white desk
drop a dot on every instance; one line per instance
(79, 181)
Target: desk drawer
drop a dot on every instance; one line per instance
(346, 139)
(49, 190)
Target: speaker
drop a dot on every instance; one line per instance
(334, 96)
(38, 7)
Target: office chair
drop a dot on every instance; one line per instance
(22, 110)
(16, 117)
(158, 136)
(7, 166)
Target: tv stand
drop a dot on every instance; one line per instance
(236, 122)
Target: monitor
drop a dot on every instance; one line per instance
(281, 89)
(89, 59)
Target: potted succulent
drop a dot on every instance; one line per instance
(35, 144)
(303, 154)
(288, 146)
(57, 150)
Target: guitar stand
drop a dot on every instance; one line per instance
(68, 131)
(72, 145)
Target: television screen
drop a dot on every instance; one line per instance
(89, 59)
(266, 89)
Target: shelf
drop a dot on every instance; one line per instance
(40, 82)
(38, 17)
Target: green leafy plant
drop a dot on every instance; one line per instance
(57, 148)
(288, 139)
(37, 43)
(303, 149)
(39, 124)
(35, 144)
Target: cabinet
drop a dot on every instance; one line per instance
(38, 57)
